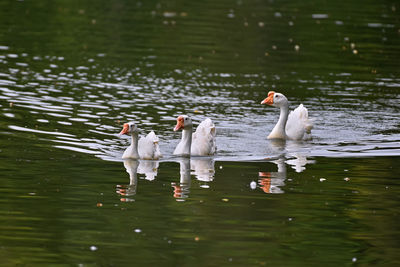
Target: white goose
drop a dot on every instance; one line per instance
(294, 126)
(200, 143)
(145, 148)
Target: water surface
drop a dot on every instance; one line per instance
(72, 73)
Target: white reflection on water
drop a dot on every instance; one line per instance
(149, 168)
(272, 182)
(134, 167)
(202, 168)
(127, 191)
(181, 189)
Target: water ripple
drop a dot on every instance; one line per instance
(94, 105)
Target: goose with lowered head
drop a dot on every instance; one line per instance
(294, 125)
(199, 143)
(145, 148)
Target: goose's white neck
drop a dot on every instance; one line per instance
(132, 151)
(183, 148)
(279, 130)
(186, 141)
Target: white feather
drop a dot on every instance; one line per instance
(149, 147)
(298, 124)
(203, 140)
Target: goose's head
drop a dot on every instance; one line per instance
(275, 99)
(129, 128)
(183, 122)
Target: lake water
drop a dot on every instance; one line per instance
(72, 73)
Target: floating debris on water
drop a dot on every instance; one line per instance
(169, 14)
(320, 16)
(253, 185)
(322, 179)
(93, 248)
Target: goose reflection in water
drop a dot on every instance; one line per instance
(272, 182)
(126, 191)
(149, 168)
(181, 190)
(201, 167)
(299, 162)
(133, 168)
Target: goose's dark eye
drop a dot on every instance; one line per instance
(277, 95)
(185, 119)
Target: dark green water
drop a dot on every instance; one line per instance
(71, 72)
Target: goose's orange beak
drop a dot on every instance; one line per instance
(125, 130)
(270, 99)
(179, 124)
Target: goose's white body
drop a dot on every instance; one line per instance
(200, 143)
(203, 140)
(145, 148)
(294, 126)
(148, 147)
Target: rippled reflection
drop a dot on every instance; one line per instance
(128, 191)
(203, 168)
(134, 167)
(299, 162)
(271, 182)
(149, 168)
(182, 189)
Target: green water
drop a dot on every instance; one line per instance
(71, 72)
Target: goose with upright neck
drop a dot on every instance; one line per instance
(294, 125)
(200, 143)
(143, 148)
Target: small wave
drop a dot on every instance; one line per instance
(23, 129)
